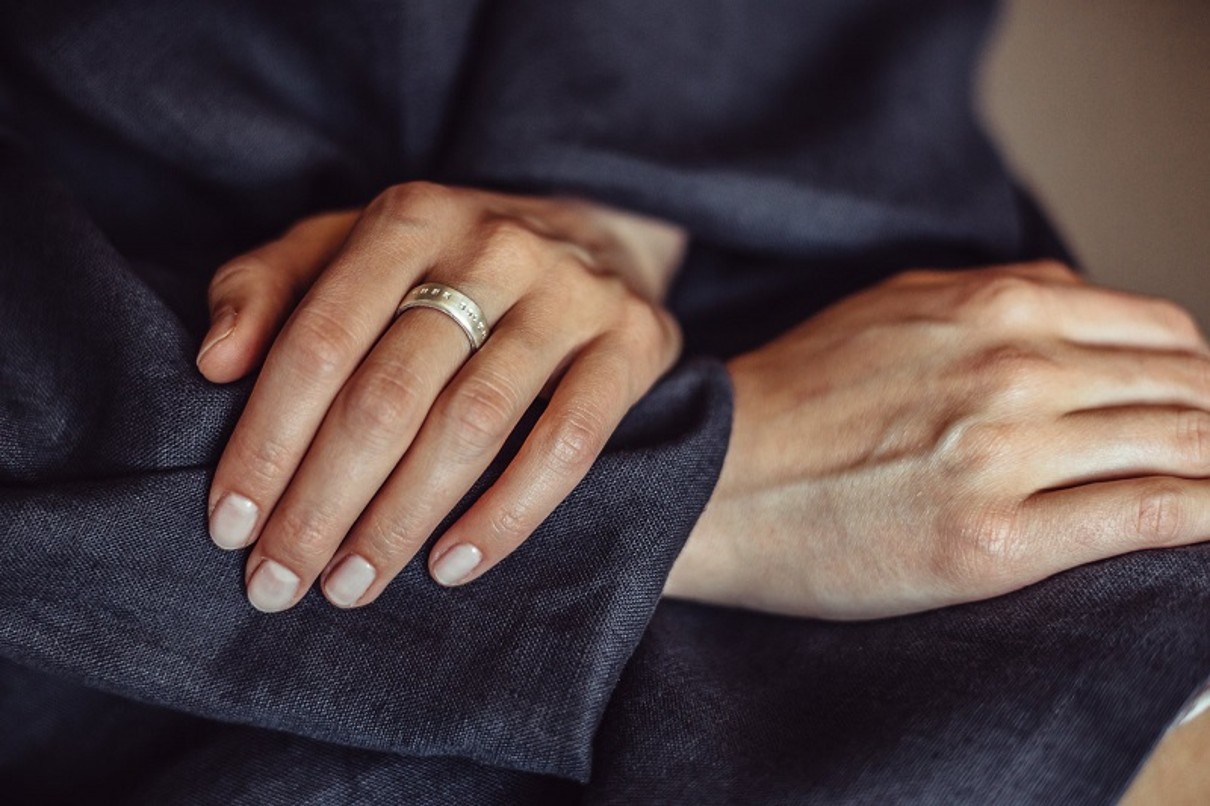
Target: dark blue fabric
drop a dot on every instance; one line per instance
(1053, 694)
(109, 436)
(810, 148)
(64, 743)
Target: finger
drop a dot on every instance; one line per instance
(1104, 316)
(1047, 296)
(1065, 528)
(1105, 444)
(464, 431)
(251, 295)
(366, 431)
(375, 417)
(598, 389)
(1089, 377)
(323, 341)
(1045, 271)
(371, 424)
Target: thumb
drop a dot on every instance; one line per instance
(251, 296)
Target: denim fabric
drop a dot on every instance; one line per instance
(810, 149)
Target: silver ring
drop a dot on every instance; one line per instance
(454, 304)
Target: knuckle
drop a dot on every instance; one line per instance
(321, 343)
(643, 320)
(264, 462)
(583, 260)
(1161, 513)
(1055, 268)
(394, 540)
(1012, 372)
(1193, 436)
(380, 400)
(481, 412)
(509, 524)
(629, 378)
(236, 271)
(1004, 300)
(979, 549)
(576, 438)
(403, 202)
(574, 262)
(640, 328)
(971, 447)
(304, 536)
(508, 240)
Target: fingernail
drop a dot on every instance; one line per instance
(272, 587)
(232, 521)
(221, 329)
(456, 564)
(349, 581)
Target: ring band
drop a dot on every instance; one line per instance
(454, 304)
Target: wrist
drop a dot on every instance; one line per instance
(710, 567)
(707, 568)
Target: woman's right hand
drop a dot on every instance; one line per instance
(950, 436)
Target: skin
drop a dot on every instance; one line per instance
(939, 438)
(945, 437)
(363, 430)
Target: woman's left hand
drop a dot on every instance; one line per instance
(365, 430)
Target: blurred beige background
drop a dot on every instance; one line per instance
(1104, 109)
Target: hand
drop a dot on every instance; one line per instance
(363, 432)
(950, 436)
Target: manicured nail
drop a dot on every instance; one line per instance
(272, 587)
(349, 581)
(232, 521)
(456, 564)
(224, 323)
